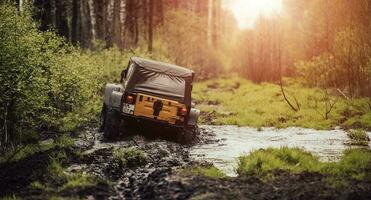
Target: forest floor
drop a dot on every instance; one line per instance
(237, 101)
(145, 168)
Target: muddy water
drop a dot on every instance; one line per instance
(233, 141)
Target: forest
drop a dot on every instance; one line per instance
(65, 51)
(306, 64)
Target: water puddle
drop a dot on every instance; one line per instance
(235, 141)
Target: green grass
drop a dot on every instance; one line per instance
(130, 157)
(356, 163)
(358, 137)
(237, 101)
(211, 172)
(58, 179)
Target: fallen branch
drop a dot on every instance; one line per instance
(342, 93)
(328, 111)
(287, 100)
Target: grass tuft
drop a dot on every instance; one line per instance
(356, 163)
(358, 137)
(262, 162)
(211, 172)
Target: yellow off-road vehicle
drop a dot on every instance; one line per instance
(153, 93)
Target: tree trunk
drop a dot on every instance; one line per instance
(100, 17)
(20, 5)
(209, 23)
(116, 23)
(109, 22)
(86, 28)
(150, 26)
(75, 21)
(61, 19)
(93, 20)
(123, 14)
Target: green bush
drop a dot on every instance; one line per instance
(130, 157)
(356, 163)
(22, 68)
(47, 84)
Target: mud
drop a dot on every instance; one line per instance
(162, 177)
(285, 186)
(162, 158)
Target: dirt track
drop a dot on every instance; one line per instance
(162, 176)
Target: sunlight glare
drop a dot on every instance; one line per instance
(247, 12)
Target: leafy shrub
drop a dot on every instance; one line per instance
(47, 84)
(23, 86)
(130, 157)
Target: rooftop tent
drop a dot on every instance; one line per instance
(159, 79)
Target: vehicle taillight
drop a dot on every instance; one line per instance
(130, 99)
(183, 111)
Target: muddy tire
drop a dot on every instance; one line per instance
(112, 125)
(103, 116)
(188, 135)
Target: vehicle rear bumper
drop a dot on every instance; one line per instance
(135, 120)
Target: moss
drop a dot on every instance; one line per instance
(356, 163)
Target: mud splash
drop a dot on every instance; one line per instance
(232, 142)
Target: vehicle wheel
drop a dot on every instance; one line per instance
(188, 135)
(103, 115)
(112, 125)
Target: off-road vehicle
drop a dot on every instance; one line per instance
(153, 93)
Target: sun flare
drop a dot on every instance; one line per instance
(247, 12)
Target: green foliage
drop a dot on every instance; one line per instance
(130, 157)
(46, 83)
(356, 163)
(23, 87)
(358, 137)
(211, 172)
(236, 101)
